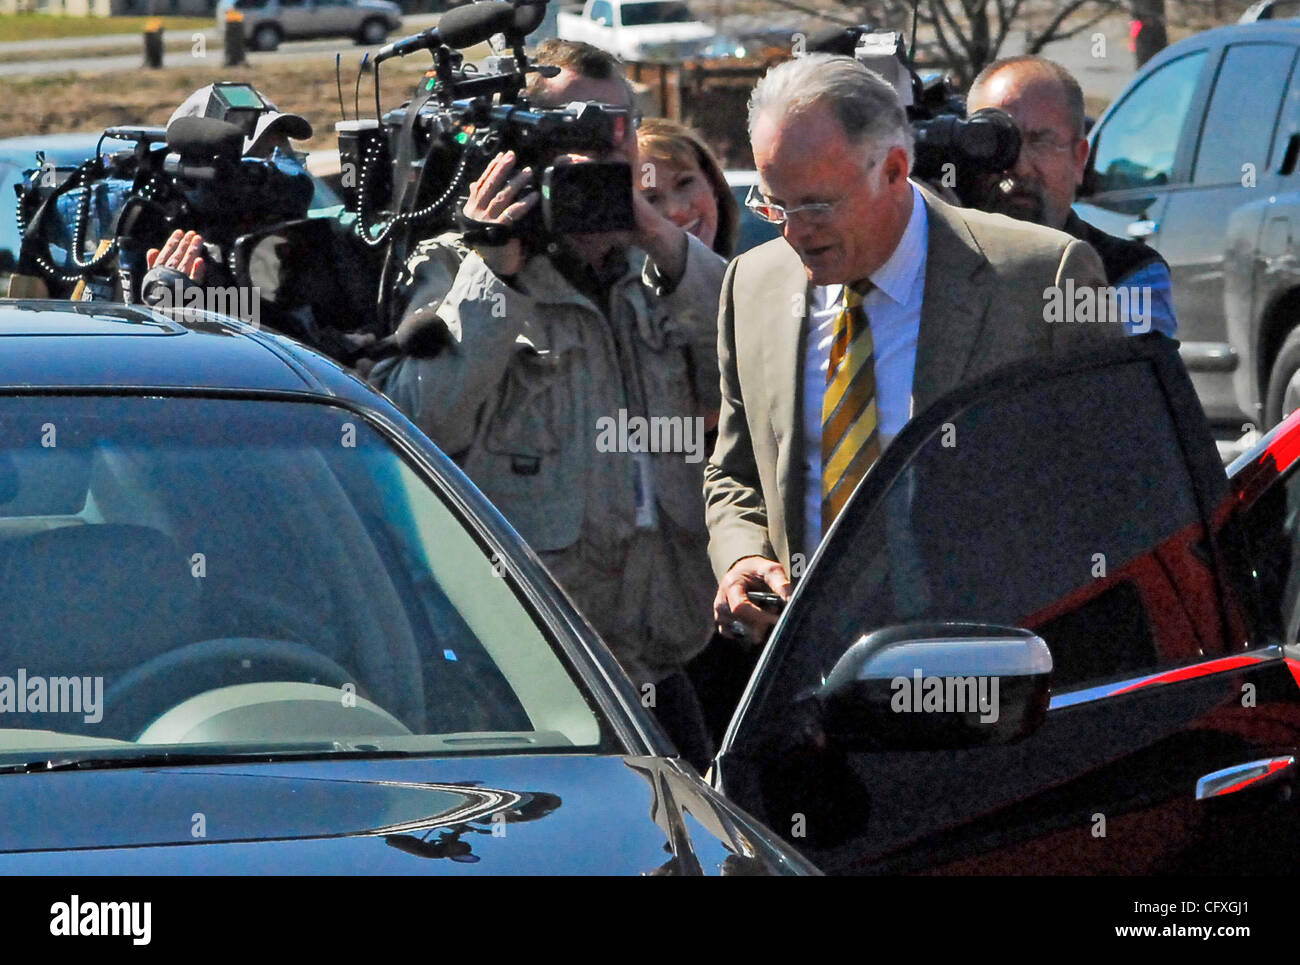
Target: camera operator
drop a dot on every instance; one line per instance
(1046, 103)
(273, 131)
(538, 346)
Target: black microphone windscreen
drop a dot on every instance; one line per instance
(529, 16)
(834, 40)
(474, 23)
(206, 137)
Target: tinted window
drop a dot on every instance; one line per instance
(1139, 142)
(1243, 112)
(284, 545)
(1037, 508)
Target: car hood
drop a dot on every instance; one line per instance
(560, 814)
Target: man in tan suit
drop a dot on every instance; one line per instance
(878, 299)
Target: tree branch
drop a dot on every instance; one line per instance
(1042, 42)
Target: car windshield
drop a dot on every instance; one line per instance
(227, 576)
(642, 14)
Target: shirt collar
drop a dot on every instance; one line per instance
(896, 276)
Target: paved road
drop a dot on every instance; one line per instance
(76, 58)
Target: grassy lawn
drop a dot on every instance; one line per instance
(86, 102)
(42, 26)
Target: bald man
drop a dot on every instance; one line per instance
(1046, 103)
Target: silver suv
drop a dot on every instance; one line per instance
(267, 22)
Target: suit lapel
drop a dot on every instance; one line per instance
(958, 289)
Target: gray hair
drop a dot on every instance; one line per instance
(866, 105)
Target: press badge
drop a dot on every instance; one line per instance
(647, 516)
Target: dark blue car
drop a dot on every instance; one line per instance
(246, 603)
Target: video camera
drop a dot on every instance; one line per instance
(949, 148)
(115, 207)
(416, 164)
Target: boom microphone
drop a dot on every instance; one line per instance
(459, 28)
(529, 15)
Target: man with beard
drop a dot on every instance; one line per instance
(1046, 103)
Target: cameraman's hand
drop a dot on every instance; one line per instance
(495, 199)
(659, 238)
(182, 251)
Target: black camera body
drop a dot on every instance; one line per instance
(416, 164)
(950, 148)
(117, 206)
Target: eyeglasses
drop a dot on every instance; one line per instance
(1044, 144)
(777, 214)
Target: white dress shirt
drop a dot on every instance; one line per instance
(893, 310)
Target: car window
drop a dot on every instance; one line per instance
(602, 12)
(1065, 523)
(1234, 142)
(257, 573)
(1138, 144)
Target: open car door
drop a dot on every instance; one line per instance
(1041, 638)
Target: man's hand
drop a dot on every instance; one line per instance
(494, 199)
(659, 238)
(732, 608)
(183, 251)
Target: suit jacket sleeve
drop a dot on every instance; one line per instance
(733, 501)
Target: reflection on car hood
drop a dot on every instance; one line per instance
(494, 815)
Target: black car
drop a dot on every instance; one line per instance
(245, 602)
(1048, 634)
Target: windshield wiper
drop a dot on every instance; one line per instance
(69, 762)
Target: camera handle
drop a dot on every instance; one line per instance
(484, 232)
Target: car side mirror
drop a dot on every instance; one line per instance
(936, 686)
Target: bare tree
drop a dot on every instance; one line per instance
(967, 35)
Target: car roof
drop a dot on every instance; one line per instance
(1283, 29)
(55, 344)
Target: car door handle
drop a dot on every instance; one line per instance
(1141, 229)
(1241, 776)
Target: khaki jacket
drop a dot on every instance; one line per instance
(534, 385)
(982, 307)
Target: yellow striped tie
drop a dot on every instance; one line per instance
(850, 436)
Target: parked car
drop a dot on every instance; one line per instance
(1198, 158)
(268, 22)
(636, 30)
(18, 154)
(264, 612)
(1110, 620)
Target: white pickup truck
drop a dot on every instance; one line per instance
(636, 30)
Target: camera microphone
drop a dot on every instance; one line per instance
(529, 15)
(459, 28)
(205, 137)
